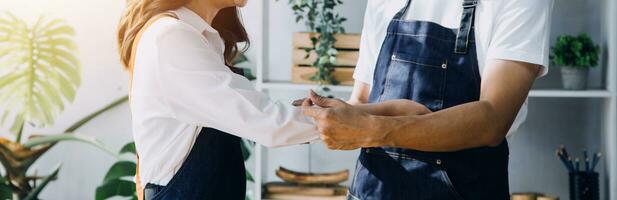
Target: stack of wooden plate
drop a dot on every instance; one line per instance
(307, 186)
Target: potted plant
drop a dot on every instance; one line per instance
(39, 76)
(575, 55)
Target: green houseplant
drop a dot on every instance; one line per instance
(320, 17)
(118, 179)
(575, 55)
(39, 76)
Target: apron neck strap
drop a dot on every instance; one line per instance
(464, 32)
(401, 13)
(138, 188)
(136, 41)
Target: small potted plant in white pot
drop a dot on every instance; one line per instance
(575, 55)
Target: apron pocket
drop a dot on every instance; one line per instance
(382, 176)
(419, 79)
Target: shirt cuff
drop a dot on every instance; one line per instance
(363, 75)
(502, 54)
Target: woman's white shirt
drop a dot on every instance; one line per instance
(181, 83)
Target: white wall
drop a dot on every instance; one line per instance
(103, 81)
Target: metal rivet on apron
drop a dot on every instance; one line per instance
(438, 161)
(393, 56)
(444, 65)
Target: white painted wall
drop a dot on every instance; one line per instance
(103, 81)
(551, 122)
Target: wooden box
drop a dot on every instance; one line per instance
(346, 60)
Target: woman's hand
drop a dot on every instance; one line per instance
(399, 107)
(343, 126)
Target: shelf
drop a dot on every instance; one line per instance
(282, 85)
(540, 93)
(572, 93)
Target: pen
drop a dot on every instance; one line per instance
(566, 155)
(563, 160)
(565, 152)
(586, 160)
(578, 162)
(595, 161)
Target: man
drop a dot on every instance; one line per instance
(469, 65)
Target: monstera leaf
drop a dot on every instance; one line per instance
(38, 70)
(118, 180)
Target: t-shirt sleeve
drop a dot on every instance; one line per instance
(367, 56)
(521, 32)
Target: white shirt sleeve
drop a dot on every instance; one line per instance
(369, 49)
(199, 89)
(521, 32)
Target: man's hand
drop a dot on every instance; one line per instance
(342, 126)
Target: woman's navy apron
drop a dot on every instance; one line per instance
(213, 170)
(437, 67)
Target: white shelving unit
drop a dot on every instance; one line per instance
(281, 85)
(608, 97)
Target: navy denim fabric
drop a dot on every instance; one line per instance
(213, 170)
(437, 67)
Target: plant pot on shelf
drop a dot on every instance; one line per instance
(302, 69)
(574, 78)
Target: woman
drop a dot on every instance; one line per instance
(190, 109)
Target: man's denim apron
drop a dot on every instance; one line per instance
(437, 67)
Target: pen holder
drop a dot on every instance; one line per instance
(584, 186)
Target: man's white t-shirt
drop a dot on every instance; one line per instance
(515, 30)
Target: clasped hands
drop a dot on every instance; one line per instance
(347, 127)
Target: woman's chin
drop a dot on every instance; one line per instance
(241, 3)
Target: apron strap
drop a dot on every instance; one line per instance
(138, 188)
(401, 13)
(467, 20)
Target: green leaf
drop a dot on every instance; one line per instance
(5, 189)
(579, 51)
(249, 177)
(128, 148)
(115, 187)
(246, 152)
(61, 30)
(17, 124)
(40, 69)
(240, 58)
(87, 119)
(33, 195)
(51, 139)
(119, 170)
(248, 73)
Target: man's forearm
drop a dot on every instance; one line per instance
(399, 107)
(504, 88)
(461, 127)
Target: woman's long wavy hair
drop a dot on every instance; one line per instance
(227, 22)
